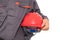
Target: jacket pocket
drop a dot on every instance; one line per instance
(23, 4)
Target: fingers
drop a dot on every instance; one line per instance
(45, 24)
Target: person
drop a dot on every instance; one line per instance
(11, 15)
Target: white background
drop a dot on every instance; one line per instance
(50, 8)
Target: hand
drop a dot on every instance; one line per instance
(45, 24)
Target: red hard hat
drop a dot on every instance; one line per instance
(32, 19)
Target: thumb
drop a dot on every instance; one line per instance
(43, 24)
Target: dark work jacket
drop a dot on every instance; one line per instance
(11, 16)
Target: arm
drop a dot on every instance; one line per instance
(45, 18)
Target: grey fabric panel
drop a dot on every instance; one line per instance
(3, 12)
(19, 35)
(13, 20)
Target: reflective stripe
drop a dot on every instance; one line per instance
(27, 6)
(17, 3)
